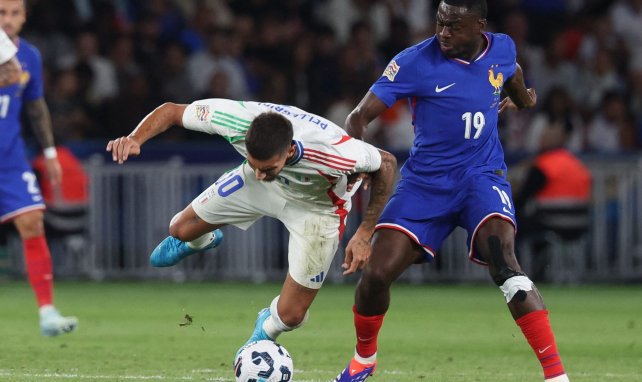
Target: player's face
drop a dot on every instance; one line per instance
(267, 170)
(12, 16)
(458, 31)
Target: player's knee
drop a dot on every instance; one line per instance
(30, 225)
(375, 279)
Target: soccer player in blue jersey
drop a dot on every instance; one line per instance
(20, 199)
(455, 175)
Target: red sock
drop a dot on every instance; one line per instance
(538, 333)
(39, 268)
(367, 332)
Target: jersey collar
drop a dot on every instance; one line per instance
(479, 56)
(298, 146)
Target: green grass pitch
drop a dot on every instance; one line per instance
(133, 332)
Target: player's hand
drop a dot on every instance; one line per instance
(357, 253)
(354, 179)
(54, 171)
(121, 148)
(508, 104)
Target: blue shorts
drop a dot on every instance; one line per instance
(19, 191)
(428, 213)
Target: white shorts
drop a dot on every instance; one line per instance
(239, 199)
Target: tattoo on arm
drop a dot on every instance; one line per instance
(40, 120)
(380, 189)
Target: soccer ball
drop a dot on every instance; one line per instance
(263, 361)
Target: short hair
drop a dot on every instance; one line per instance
(478, 6)
(269, 134)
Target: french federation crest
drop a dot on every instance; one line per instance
(202, 112)
(496, 80)
(391, 71)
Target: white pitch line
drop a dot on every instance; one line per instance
(84, 377)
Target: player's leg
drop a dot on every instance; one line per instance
(314, 239)
(230, 200)
(493, 240)
(287, 311)
(414, 223)
(189, 234)
(392, 253)
(21, 203)
(38, 263)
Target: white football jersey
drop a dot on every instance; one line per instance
(7, 48)
(325, 155)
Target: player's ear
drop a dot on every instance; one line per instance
(292, 150)
(482, 23)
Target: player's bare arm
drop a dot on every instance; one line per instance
(10, 72)
(359, 248)
(517, 95)
(156, 122)
(368, 109)
(40, 121)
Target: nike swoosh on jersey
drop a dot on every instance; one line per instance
(439, 90)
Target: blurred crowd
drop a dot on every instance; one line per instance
(109, 62)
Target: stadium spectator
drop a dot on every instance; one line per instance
(626, 16)
(611, 131)
(21, 200)
(104, 85)
(170, 76)
(558, 187)
(558, 110)
(455, 176)
(202, 65)
(555, 70)
(292, 158)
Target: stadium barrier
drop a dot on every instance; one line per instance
(130, 208)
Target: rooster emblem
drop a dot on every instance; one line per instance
(496, 81)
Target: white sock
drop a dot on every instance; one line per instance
(202, 241)
(559, 378)
(274, 326)
(365, 360)
(46, 309)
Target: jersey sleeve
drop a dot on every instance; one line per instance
(399, 80)
(227, 118)
(7, 48)
(35, 88)
(512, 56)
(367, 158)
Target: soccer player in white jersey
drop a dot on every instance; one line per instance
(297, 170)
(10, 69)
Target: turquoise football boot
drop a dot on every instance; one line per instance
(171, 250)
(258, 334)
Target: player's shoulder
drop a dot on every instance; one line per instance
(420, 51)
(501, 42)
(28, 48)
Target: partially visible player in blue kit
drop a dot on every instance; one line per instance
(10, 69)
(455, 176)
(20, 199)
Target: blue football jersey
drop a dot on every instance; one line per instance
(19, 191)
(29, 88)
(454, 106)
